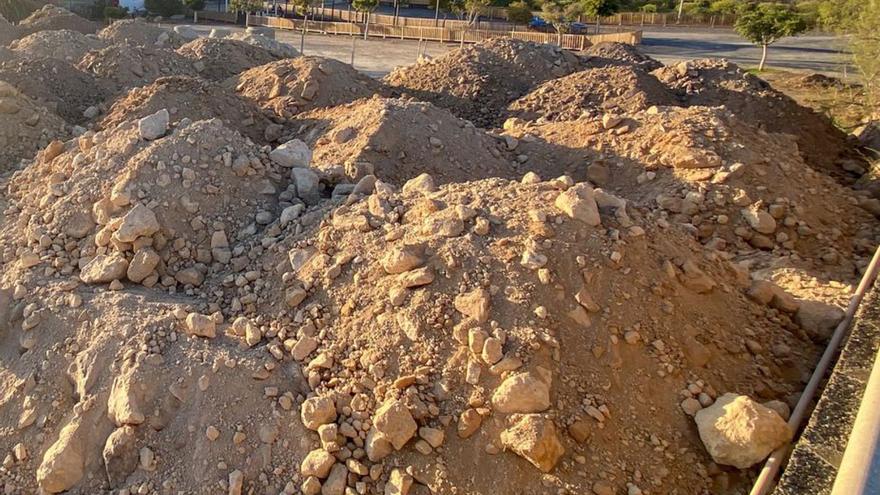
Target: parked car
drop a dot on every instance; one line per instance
(540, 24)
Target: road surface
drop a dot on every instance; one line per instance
(377, 57)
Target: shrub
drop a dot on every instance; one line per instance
(519, 12)
(165, 8)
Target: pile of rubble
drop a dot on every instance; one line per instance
(193, 99)
(140, 32)
(25, 128)
(219, 59)
(124, 66)
(65, 45)
(51, 18)
(251, 275)
(477, 82)
(291, 86)
(55, 84)
(592, 92)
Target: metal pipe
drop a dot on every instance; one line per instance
(777, 457)
(859, 472)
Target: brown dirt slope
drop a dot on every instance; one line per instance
(219, 59)
(291, 86)
(124, 66)
(396, 140)
(25, 127)
(478, 81)
(51, 18)
(190, 98)
(712, 82)
(59, 86)
(593, 91)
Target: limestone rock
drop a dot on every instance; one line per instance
(63, 464)
(140, 221)
(317, 411)
(317, 463)
(104, 268)
(474, 304)
(200, 325)
(522, 393)
(424, 184)
(818, 319)
(154, 126)
(402, 259)
(534, 438)
(394, 421)
(759, 219)
(293, 153)
(307, 185)
(739, 432)
(120, 455)
(579, 203)
(142, 265)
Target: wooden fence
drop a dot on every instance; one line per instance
(441, 34)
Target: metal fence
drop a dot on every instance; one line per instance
(441, 34)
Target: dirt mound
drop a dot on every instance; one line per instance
(612, 53)
(52, 18)
(478, 81)
(55, 84)
(396, 140)
(140, 32)
(593, 91)
(691, 165)
(276, 48)
(25, 127)
(193, 99)
(711, 82)
(69, 46)
(124, 66)
(219, 59)
(291, 86)
(420, 329)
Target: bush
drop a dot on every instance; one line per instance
(165, 8)
(113, 12)
(519, 12)
(649, 8)
(194, 4)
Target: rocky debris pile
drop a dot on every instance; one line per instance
(478, 81)
(692, 165)
(124, 66)
(52, 18)
(621, 89)
(612, 53)
(276, 48)
(200, 178)
(55, 84)
(291, 86)
(25, 128)
(397, 140)
(193, 99)
(141, 32)
(6, 54)
(712, 82)
(66, 45)
(219, 59)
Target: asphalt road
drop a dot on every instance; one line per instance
(377, 57)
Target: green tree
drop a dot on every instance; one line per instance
(468, 10)
(245, 5)
(767, 23)
(165, 8)
(865, 48)
(367, 7)
(519, 12)
(561, 14)
(599, 9)
(194, 4)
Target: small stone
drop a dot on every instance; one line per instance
(200, 325)
(522, 393)
(402, 260)
(394, 421)
(317, 463)
(739, 432)
(317, 411)
(293, 153)
(399, 483)
(104, 269)
(154, 126)
(534, 438)
(578, 202)
(474, 304)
